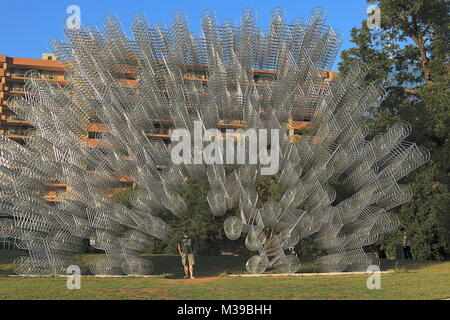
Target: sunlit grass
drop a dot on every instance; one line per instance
(410, 280)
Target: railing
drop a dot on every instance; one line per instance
(22, 74)
(18, 132)
(17, 88)
(165, 130)
(8, 243)
(13, 117)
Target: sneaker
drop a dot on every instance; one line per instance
(192, 277)
(185, 277)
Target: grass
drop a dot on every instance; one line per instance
(410, 280)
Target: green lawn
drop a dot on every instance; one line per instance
(410, 280)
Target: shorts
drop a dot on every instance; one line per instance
(185, 257)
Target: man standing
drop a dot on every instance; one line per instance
(186, 248)
(406, 244)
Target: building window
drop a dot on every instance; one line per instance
(49, 75)
(17, 87)
(18, 72)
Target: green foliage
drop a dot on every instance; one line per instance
(203, 226)
(123, 196)
(427, 215)
(398, 268)
(207, 229)
(268, 188)
(389, 241)
(409, 58)
(307, 250)
(431, 277)
(199, 220)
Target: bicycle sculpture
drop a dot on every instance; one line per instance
(99, 65)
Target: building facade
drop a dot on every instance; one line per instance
(14, 72)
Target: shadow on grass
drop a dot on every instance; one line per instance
(205, 266)
(169, 266)
(7, 258)
(406, 265)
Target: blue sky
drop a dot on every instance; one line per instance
(31, 25)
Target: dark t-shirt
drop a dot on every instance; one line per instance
(187, 245)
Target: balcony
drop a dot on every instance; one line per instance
(21, 75)
(18, 133)
(161, 132)
(17, 88)
(14, 119)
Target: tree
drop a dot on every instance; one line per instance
(207, 229)
(199, 220)
(409, 58)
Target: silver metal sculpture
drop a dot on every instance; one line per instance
(170, 67)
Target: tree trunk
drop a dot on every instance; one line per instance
(424, 62)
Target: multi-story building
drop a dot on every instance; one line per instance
(14, 72)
